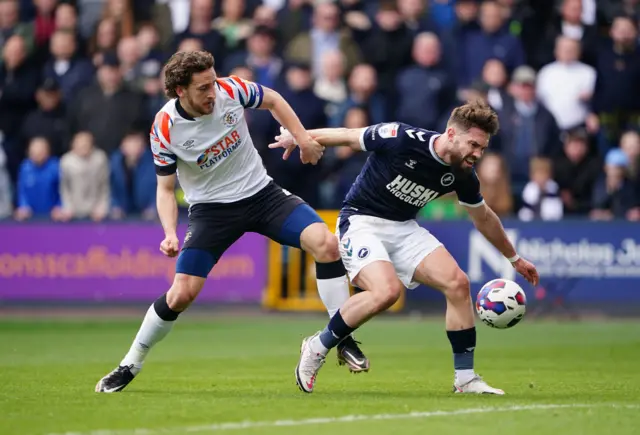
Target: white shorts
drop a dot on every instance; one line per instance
(369, 238)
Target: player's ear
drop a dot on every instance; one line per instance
(180, 91)
(451, 132)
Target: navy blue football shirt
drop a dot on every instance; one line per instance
(404, 173)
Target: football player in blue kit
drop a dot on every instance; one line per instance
(384, 248)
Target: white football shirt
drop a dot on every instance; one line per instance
(213, 155)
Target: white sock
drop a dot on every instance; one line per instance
(464, 376)
(152, 330)
(334, 292)
(316, 346)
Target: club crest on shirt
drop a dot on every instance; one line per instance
(230, 119)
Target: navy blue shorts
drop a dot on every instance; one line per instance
(272, 212)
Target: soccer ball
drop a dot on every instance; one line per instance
(501, 303)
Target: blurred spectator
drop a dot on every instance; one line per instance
(38, 183)
(89, 13)
(576, 170)
(299, 179)
(48, 120)
(615, 196)
(492, 40)
(200, 28)
(386, 44)
(6, 193)
(495, 186)
(18, 83)
(330, 85)
(442, 13)
(570, 25)
(44, 23)
(105, 41)
(66, 18)
(415, 16)
(541, 195)
(180, 10)
(150, 55)
(260, 57)
(630, 145)
(527, 128)
(232, 25)
(84, 180)
(129, 58)
(10, 25)
(494, 74)
(566, 86)
(325, 35)
(618, 84)
(422, 105)
(66, 66)
(348, 162)
(363, 84)
(133, 179)
(108, 110)
(121, 12)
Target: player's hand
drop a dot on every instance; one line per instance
(284, 140)
(310, 151)
(170, 246)
(527, 270)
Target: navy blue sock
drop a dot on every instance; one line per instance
(335, 332)
(463, 343)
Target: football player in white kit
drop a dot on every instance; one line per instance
(201, 137)
(383, 247)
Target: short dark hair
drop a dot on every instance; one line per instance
(181, 67)
(476, 114)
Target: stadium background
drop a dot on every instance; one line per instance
(80, 82)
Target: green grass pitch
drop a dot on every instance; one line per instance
(235, 376)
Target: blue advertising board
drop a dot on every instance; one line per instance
(588, 262)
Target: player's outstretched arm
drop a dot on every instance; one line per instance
(327, 137)
(488, 223)
(310, 150)
(168, 212)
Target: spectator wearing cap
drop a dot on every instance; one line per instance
(48, 120)
(576, 170)
(492, 40)
(84, 180)
(107, 109)
(67, 67)
(616, 106)
(38, 183)
(260, 56)
(615, 196)
(566, 86)
(133, 179)
(527, 128)
(424, 90)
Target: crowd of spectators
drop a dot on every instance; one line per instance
(80, 83)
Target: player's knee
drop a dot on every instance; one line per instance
(183, 292)
(387, 294)
(327, 249)
(458, 287)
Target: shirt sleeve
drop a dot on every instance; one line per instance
(382, 137)
(248, 94)
(468, 190)
(160, 137)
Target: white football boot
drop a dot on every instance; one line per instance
(476, 386)
(308, 366)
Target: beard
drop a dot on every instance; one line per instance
(200, 110)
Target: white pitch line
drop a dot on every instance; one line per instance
(219, 427)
